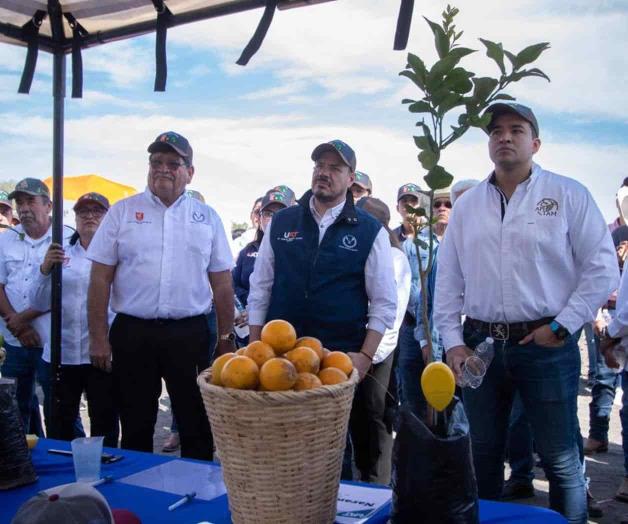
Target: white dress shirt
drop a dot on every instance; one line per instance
(378, 275)
(18, 256)
(74, 333)
(550, 255)
(162, 255)
(403, 278)
(618, 326)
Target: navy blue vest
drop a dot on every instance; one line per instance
(320, 289)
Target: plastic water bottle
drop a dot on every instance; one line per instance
(241, 331)
(486, 351)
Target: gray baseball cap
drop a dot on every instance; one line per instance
(524, 112)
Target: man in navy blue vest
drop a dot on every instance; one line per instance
(325, 266)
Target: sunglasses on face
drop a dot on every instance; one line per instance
(441, 203)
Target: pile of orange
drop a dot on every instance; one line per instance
(280, 361)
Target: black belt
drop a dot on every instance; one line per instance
(160, 321)
(505, 331)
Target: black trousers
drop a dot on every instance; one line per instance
(144, 352)
(371, 436)
(98, 388)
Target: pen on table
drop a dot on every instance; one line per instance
(104, 480)
(185, 499)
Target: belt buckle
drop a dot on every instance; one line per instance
(499, 330)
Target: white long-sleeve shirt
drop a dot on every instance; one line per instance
(74, 333)
(549, 255)
(403, 278)
(162, 255)
(378, 276)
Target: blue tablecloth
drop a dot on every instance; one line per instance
(151, 505)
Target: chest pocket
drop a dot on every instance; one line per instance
(198, 240)
(544, 238)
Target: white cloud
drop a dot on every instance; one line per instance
(334, 43)
(236, 160)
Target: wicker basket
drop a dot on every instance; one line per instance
(281, 452)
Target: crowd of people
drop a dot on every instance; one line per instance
(152, 290)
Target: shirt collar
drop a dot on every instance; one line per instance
(34, 241)
(154, 199)
(334, 212)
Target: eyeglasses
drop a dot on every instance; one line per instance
(84, 212)
(441, 203)
(266, 213)
(170, 166)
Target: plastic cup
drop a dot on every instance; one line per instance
(86, 453)
(473, 371)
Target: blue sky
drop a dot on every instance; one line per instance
(324, 72)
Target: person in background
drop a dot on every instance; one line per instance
(527, 259)
(21, 250)
(289, 195)
(238, 243)
(362, 186)
(411, 358)
(77, 375)
(162, 256)
(241, 273)
(371, 436)
(408, 195)
(6, 211)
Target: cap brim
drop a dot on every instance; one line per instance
(89, 201)
(361, 184)
(160, 147)
(13, 194)
(409, 193)
(501, 109)
(325, 148)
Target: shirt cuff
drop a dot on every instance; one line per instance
(452, 339)
(569, 322)
(257, 318)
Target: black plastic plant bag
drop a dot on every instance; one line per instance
(433, 479)
(16, 468)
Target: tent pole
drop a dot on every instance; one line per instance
(58, 86)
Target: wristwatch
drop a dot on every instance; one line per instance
(559, 330)
(230, 337)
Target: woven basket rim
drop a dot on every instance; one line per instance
(275, 397)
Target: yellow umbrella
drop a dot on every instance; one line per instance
(75, 186)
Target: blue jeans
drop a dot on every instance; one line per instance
(623, 415)
(24, 365)
(213, 338)
(605, 383)
(520, 448)
(410, 365)
(547, 381)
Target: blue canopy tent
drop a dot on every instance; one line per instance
(63, 27)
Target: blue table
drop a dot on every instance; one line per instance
(151, 505)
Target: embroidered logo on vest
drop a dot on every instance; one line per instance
(349, 242)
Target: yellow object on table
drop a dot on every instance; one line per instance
(438, 385)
